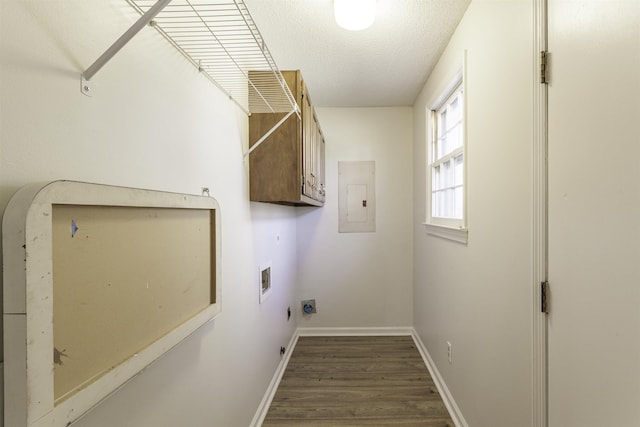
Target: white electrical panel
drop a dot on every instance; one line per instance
(356, 197)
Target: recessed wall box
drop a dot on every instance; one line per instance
(265, 281)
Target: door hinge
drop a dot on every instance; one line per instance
(544, 301)
(544, 56)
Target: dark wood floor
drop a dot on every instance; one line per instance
(357, 381)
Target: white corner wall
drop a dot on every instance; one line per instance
(478, 296)
(153, 123)
(361, 279)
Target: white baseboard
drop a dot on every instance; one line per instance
(451, 405)
(447, 397)
(1, 394)
(388, 331)
(263, 408)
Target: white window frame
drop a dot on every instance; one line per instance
(449, 228)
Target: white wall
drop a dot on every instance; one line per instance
(478, 296)
(361, 279)
(154, 123)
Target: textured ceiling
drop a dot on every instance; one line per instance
(384, 65)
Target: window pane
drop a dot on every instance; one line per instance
(453, 116)
(458, 107)
(456, 136)
(459, 204)
(458, 170)
(435, 203)
(447, 203)
(442, 135)
(446, 174)
(447, 168)
(442, 211)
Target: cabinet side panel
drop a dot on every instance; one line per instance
(274, 164)
(275, 174)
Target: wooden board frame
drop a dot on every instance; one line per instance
(28, 303)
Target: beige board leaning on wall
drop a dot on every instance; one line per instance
(99, 281)
(122, 278)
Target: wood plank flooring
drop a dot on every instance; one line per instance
(357, 381)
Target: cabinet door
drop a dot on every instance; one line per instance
(308, 138)
(320, 162)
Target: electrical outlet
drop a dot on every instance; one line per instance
(449, 351)
(282, 351)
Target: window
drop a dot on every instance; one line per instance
(446, 164)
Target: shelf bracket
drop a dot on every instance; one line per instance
(142, 22)
(266, 135)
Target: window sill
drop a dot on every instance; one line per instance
(456, 234)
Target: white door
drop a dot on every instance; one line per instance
(594, 213)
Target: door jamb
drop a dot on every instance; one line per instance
(539, 221)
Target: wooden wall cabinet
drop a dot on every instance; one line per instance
(288, 167)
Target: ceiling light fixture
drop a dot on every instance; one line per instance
(354, 15)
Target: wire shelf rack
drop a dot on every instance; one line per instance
(220, 38)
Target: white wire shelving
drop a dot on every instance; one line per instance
(220, 38)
